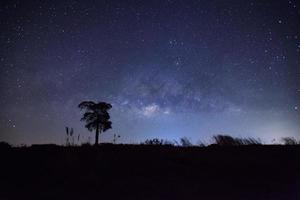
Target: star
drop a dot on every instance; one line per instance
(167, 68)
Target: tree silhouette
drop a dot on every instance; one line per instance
(96, 117)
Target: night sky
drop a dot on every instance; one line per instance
(169, 68)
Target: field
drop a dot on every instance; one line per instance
(258, 172)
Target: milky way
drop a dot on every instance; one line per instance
(169, 68)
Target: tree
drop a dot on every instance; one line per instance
(96, 117)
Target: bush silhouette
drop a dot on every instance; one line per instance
(4, 145)
(154, 141)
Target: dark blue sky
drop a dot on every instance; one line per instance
(169, 68)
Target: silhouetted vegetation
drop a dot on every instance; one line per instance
(220, 140)
(154, 141)
(226, 140)
(69, 134)
(201, 144)
(160, 142)
(70, 137)
(115, 138)
(96, 117)
(4, 145)
(170, 142)
(289, 141)
(185, 142)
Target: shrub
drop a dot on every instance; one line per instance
(4, 145)
(169, 142)
(289, 141)
(154, 141)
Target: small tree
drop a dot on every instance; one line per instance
(96, 117)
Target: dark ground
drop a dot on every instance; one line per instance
(151, 172)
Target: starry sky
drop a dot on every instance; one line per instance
(169, 68)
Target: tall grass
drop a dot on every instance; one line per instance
(226, 140)
(289, 141)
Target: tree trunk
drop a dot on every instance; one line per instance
(97, 136)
